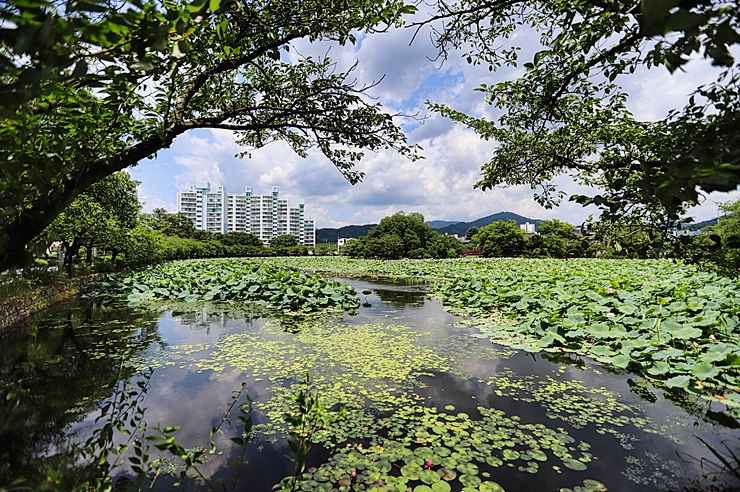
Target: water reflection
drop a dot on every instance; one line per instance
(634, 431)
(60, 365)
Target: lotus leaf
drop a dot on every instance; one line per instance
(678, 382)
(537, 454)
(468, 468)
(574, 464)
(490, 487)
(441, 487)
(470, 480)
(447, 474)
(429, 476)
(705, 370)
(411, 472)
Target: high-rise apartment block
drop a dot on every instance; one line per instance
(266, 216)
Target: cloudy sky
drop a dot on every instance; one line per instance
(439, 186)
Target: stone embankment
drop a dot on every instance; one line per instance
(17, 309)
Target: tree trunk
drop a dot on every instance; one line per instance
(17, 233)
(71, 254)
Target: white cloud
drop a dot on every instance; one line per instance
(202, 160)
(440, 186)
(151, 202)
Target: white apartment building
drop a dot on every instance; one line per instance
(266, 216)
(206, 208)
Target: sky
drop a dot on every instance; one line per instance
(440, 186)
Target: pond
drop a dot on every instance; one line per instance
(437, 396)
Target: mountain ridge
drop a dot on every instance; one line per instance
(331, 235)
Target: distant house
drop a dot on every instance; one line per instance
(462, 239)
(530, 229)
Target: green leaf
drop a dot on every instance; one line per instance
(681, 381)
(705, 370)
(441, 487)
(574, 464)
(654, 14)
(490, 487)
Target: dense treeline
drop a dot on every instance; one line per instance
(403, 236)
(407, 236)
(104, 229)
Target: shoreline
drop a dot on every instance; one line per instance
(16, 309)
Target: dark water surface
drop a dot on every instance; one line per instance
(638, 439)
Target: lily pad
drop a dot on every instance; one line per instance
(490, 487)
(574, 464)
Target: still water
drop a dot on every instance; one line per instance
(401, 365)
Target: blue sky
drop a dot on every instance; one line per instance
(439, 186)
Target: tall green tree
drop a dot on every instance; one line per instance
(500, 239)
(169, 224)
(556, 239)
(234, 238)
(90, 88)
(410, 230)
(401, 235)
(565, 113)
(102, 216)
(727, 256)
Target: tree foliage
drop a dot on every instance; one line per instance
(234, 238)
(401, 235)
(566, 114)
(500, 239)
(90, 88)
(169, 224)
(102, 216)
(726, 235)
(556, 239)
(472, 231)
(284, 241)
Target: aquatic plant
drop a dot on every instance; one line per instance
(670, 322)
(232, 279)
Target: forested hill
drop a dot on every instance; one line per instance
(461, 227)
(703, 224)
(329, 235)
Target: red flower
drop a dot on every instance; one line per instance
(428, 464)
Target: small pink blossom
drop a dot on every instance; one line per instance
(695, 344)
(711, 337)
(609, 315)
(213, 279)
(428, 464)
(353, 474)
(609, 290)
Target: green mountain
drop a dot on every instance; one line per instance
(701, 225)
(462, 227)
(438, 224)
(329, 235)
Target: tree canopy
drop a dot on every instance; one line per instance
(101, 216)
(233, 238)
(90, 88)
(284, 241)
(401, 235)
(500, 239)
(566, 114)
